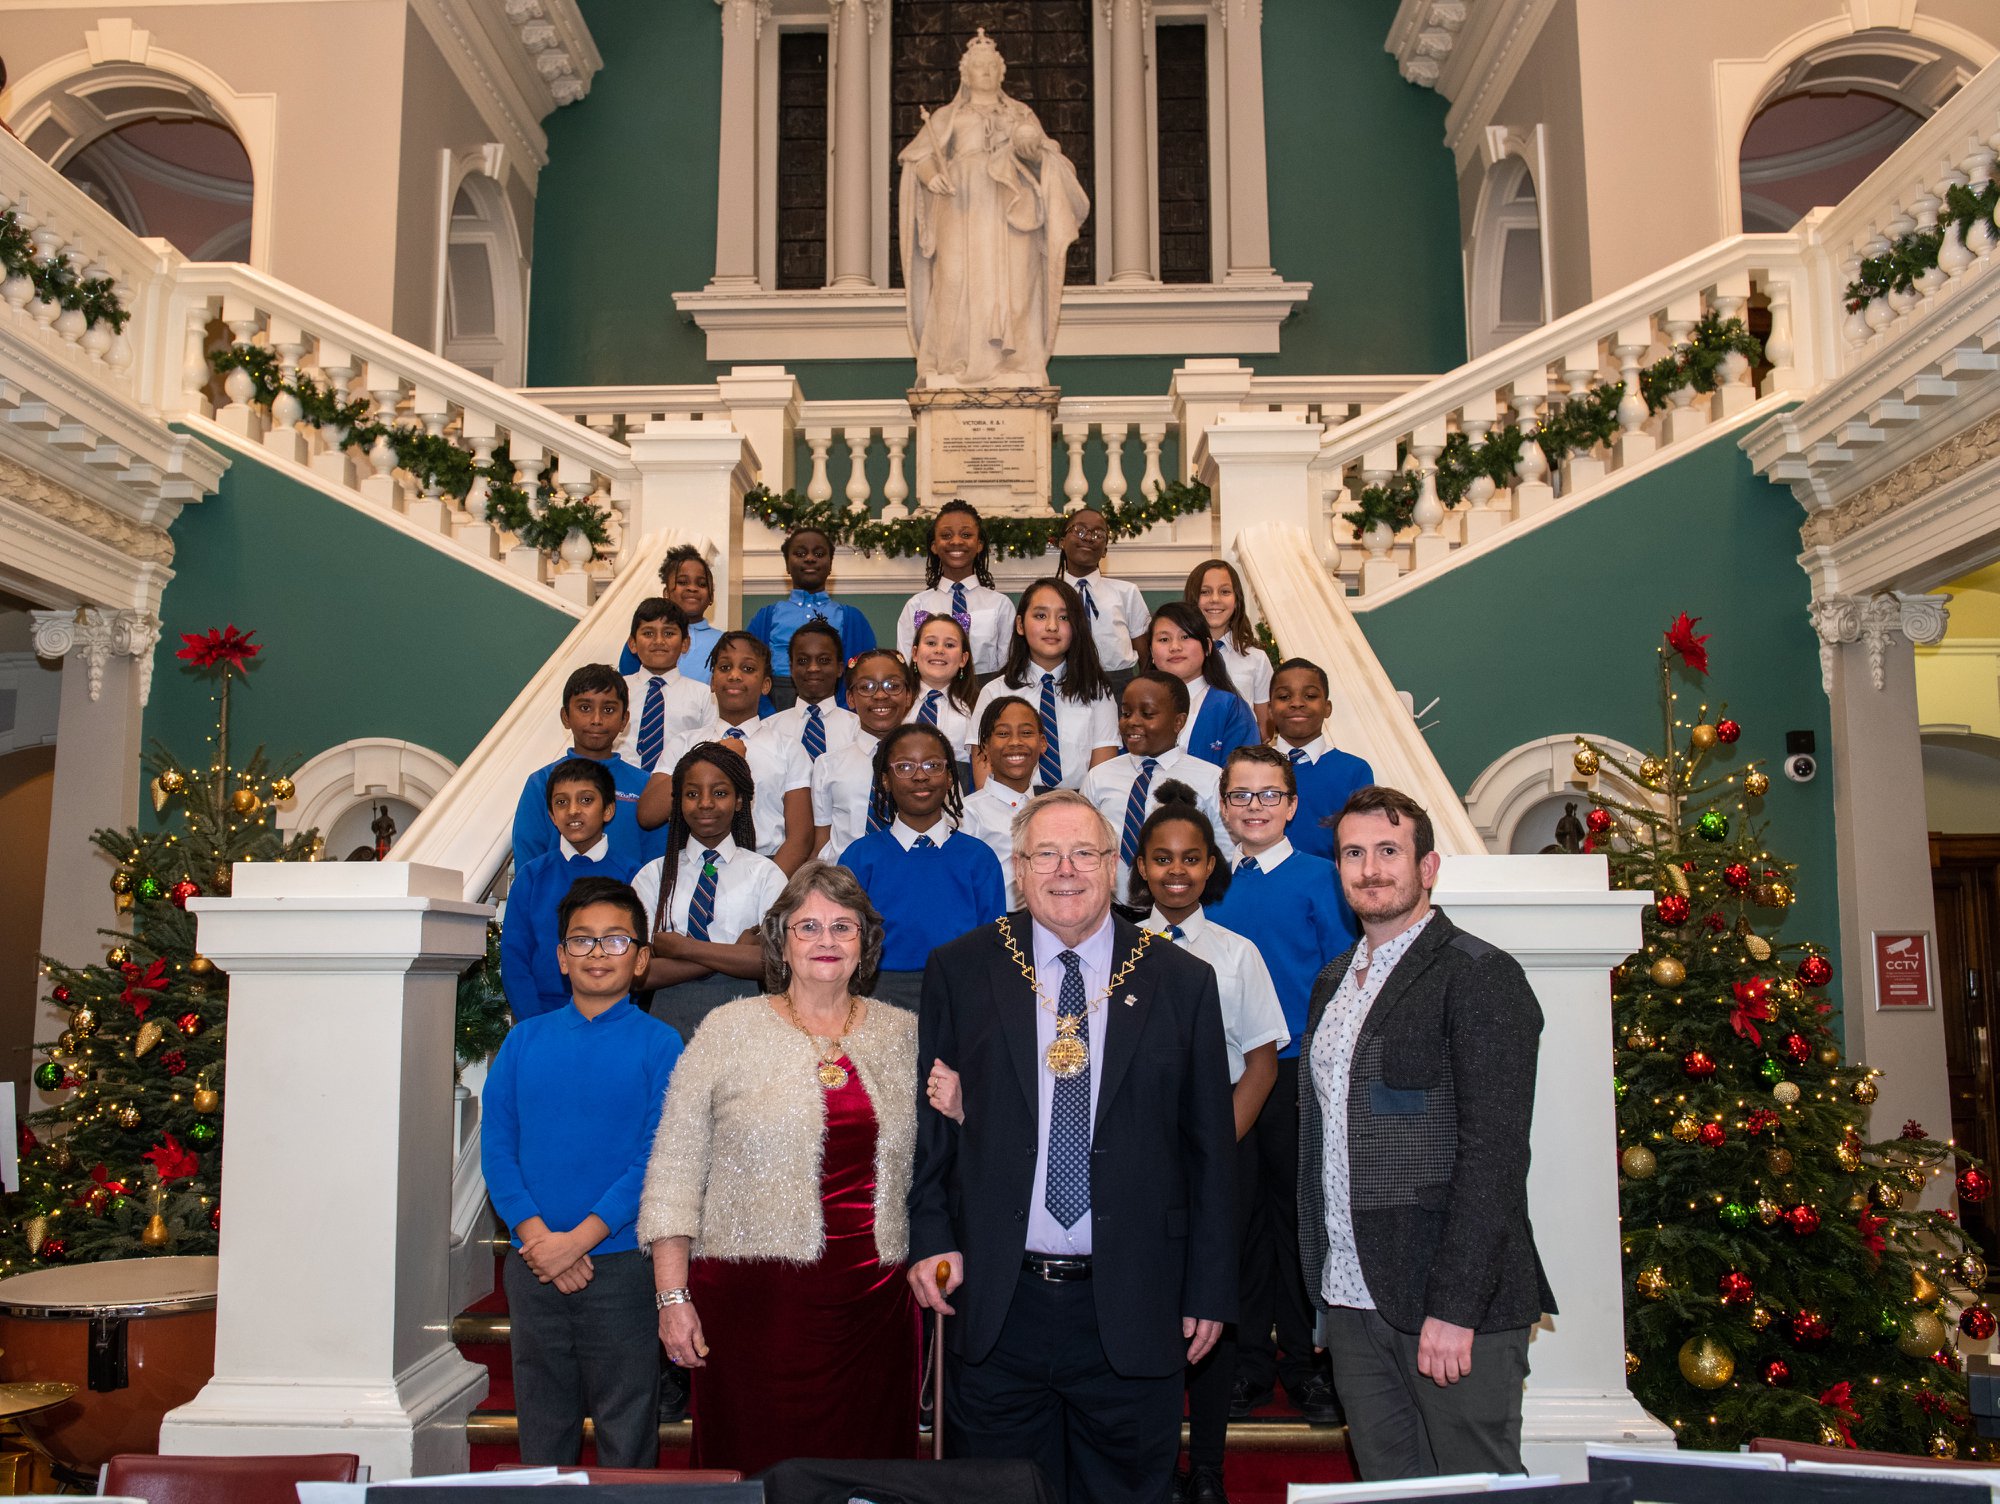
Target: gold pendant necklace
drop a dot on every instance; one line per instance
(832, 1074)
(1068, 1054)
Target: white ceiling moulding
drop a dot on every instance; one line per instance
(1422, 37)
(1468, 53)
(519, 61)
(870, 324)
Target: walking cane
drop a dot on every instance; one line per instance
(942, 1274)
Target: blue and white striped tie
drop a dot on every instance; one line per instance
(1135, 811)
(928, 714)
(701, 908)
(1050, 767)
(653, 724)
(815, 738)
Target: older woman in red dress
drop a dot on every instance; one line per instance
(774, 1201)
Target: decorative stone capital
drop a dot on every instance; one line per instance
(1872, 621)
(97, 634)
(756, 12)
(1424, 33)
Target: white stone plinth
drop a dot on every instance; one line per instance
(333, 1319)
(1259, 466)
(692, 477)
(1557, 916)
(992, 447)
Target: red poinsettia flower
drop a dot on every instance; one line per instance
(138, 983)
(1748, 1013)
(1681, 638)
(227, 646)
(1871, 1227)
(1840, 1400)
(171, 1160)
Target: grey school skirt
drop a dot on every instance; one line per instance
(685, 1004)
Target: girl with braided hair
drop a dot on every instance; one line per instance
(958, 579)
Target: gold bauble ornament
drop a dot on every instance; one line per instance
(84, 1020)
(1829, 1055)
(1866, 1091)
(245, 802)
(1585, 762)
(1886, 1195)
(1923, 1334)
(1942, 1446)
(1702, 738)
(1785, 1093)
(174, 781)
(156, 1234)
(1971, 1271)
(1668, 972)
(201, 966)
(1641, 1038)
(1768, 1211)
(1652, 771)
(128, 1116)
(1706, 1363)
(123, 902)
(1914, 1179)
(1922, 1291)
(118, 955)
(121, 881)
(1676, 879)
(151, 1032)
(1686, 1129)
(1652, 1282)
(1829, 1436)
(1857, 1202)
(159, 794)
(1757, 948)
(282, 789)
(1631, 1362)
(1639, 1162)
(1759, 1318)
(1756, 785)
(206, 1099)
(66, 1041)
(1779, 1160)
(37, 1231)
(1847, 1156)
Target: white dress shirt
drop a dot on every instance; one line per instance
(778, 764)
(992, 621)
(1197, 689)
(989, 816)
(1109, 787)
(1341, 1284)
(686, 703)
(957, 725)
(1314, 750)
(1080, 728)
(1045, 1234)
(746, 885)
(842, 725)
(596, 853)
(1251, 1012)
(1250, 672)
(1120, 616)
(841, 784)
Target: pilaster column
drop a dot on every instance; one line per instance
(736, 195)
(1868, 667)
(851, 23)
(692, 477)
(1249, 195)
(1129, 22)
(764, 404)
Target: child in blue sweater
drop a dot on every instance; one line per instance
(1219, 722)
(595, 712)
(1301, 700)
(929, 881)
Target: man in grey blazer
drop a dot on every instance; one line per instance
(1413, 1164)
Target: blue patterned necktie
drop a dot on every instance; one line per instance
(701, 908)
(1248, 864)
(653, 724)
(1175, 932)
(1135, 811)
(923, 843)
(1067, 1191)
(875, 820)
(815, 733)
(1050, 767)
(1089, 600)
(734, 733)
(958, 607)
(928, 714)
(1298, 757)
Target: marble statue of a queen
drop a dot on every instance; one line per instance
(990, 206)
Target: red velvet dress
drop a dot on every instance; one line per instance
(814, 1360)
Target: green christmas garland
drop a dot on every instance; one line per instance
(57, 280)
(542, 521)
(1009, 537)
(1581, 423)
(1914, 254)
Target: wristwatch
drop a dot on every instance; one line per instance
(664, 1298)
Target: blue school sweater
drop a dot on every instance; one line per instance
(528, 968)
(774, 624)
(1295, 916)
(535, 832)
(1223, 724)
(1324, 787)
(929, 896)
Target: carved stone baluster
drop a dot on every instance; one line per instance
(819, 440)
(1380, 569)
(283, 439)
(1151, 481)
(1924, 208)
(896, 488)
(432, 511)
(1778, 349)
(1532, 491)
(1877, 315)
(196, 372)
(478, 535)
(1583, 468)
(1076, 433)
(1487, 507)
(573, 579)
(332, 462)
(1733, 392)
(1683, 420)
(1978, 172)
(238, 415)
(1953, 257)
(1431, 546)
(857, 490)
(96, 338)
(529, 459)
(386, 387)
(1115, 484)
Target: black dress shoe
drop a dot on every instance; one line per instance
(1243, 1398)
(1205, 1487)
(1180, 1487)
(1317, 1402)
(673, 1395)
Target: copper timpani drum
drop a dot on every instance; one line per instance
(135, 1336)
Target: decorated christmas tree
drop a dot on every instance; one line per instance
(128, 1159)
(1783, 1278)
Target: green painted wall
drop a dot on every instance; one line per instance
(1364, 205)
(1555, 633)
(366, 632)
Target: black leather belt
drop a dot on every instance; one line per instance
(1059, 1270)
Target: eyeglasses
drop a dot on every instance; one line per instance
(1083, 859)
(1269, 798)
(842, 930)
(611, 945)
(905, 768)
(877, 686)
(1090, 534)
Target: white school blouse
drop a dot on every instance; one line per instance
(1116, 611)
(989, 816)
(842, 725)
(841, 782)
(778, 764)
(1250, 672)
(957, 725)
(992, 621)
(1109, 787)
(686, 703)
(746, 885)
(1251, 1012)
(1080, 728)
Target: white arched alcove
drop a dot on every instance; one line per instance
(72, 101)
(341, 781)
(1518, 783)
(481, 319)
(1509, 286)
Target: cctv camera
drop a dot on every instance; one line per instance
(1801, 767)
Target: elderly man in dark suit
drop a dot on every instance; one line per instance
(1085, 1205)
(1413, 1165)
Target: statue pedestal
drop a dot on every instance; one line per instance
(989, 446)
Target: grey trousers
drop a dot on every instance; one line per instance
(1401, 1425)
(594, 1353)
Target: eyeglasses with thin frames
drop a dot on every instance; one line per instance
(611, 945)
(839, 929)
(905, 768)
(1083, 859)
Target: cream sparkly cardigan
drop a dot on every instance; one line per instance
(736, 1161)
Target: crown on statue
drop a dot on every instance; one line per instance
(981, 42)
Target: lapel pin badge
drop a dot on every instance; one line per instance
(1130, 999)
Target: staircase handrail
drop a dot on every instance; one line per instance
(469, 827)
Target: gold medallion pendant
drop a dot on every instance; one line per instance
(832, 1075)
(1067, 1056)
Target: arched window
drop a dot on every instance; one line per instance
(485, 284)
(1508, 284)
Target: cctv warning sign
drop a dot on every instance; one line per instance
(1903, 971)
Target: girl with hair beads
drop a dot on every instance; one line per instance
(929, 880)
(1052, 664)
(958, 576)
(1010, 743)
(1215, 589)
(706, 898)
(1178, 643)
(945, 687)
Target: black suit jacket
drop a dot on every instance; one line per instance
(1162, 1145)
(1439, 1101)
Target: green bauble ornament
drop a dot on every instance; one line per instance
(203, 1134)
(1713, 826)
(48, 1075)
(150, 890)
(1889, 1324)
(119, 1203)
(1771, 1071)
(1733, 1215)
(1618, 1088)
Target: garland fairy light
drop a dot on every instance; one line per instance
(56, 280)
(1968, 210)
(541, 520)
(1584, 421)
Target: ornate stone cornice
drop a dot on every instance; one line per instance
(1872, 621)
(1422, 37)
(734, 12)
(142, 544)
(95, 635)
(1946, 462)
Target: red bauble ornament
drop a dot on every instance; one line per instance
(1974, 1184)
(1777, 1373)
(190, 1023)
(1712, 1136)
(182, 891)
(1598, 820)
(1673, 910)
(1810, 1326)
(1736, 875)
(1698, 1065)
(1716, 923)
(27, 1140)
(1977, 1323)
(215, 1218)
(1802, 1220)
(61, 995)
(1799, 1048)
(1762, 1118)
(1736, 1288)
(1727, 731)
(1815, 971)
(53, 1249)
(174, 1063)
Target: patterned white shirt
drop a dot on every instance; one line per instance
(1341, 1284)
